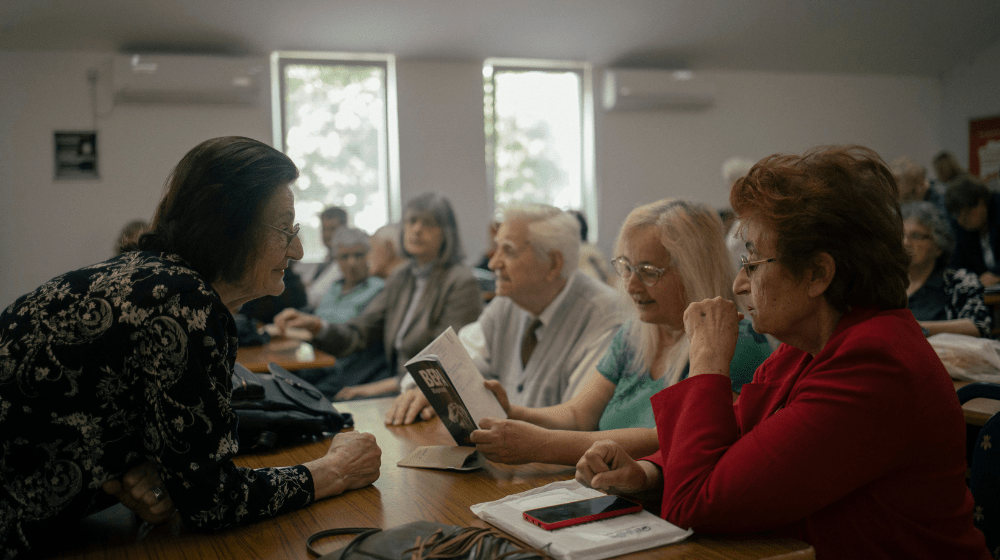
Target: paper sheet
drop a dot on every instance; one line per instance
(590, 541)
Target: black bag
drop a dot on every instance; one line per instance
(422, 540)
(280, 408)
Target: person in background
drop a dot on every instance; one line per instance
(419, 301)
(115, 378)
(947, 169)
(942, 299)
(911, 178)
(850, 437)
(129, 235)
(670, 253)
(348, 298)
(384, 258)
(549, 323)
(331, 218)
(592, 261)
(976, 215)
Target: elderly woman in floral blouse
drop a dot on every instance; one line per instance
(944, 300)
(115, 378)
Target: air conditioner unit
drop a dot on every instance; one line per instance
(637, 90)
(159, 78)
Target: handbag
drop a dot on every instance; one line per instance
(279, 408)
(424, 540)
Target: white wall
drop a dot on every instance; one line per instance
(645, 156)
(48, 227)
(970, 91)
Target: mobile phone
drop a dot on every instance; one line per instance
(583, 511)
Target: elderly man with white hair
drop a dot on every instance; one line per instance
(548, 325)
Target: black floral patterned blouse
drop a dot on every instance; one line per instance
(108, 366)
(951, 293)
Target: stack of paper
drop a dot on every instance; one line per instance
(590, 541)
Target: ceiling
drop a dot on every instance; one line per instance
(915, 37)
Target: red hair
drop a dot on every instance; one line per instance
(840, 200)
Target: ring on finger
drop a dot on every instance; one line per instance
(158, 493)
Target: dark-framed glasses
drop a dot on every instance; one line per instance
(289, 235)
(647, 273)
(750, 266)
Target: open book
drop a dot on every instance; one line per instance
(444, 372)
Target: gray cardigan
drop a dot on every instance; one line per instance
(451, 299)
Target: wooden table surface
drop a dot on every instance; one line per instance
(289, 353)
(400, 495)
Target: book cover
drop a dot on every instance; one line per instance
(446, 375)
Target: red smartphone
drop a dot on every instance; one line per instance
(583, 511)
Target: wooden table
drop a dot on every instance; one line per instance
(289, 353)
(977, 411)
(400, 495)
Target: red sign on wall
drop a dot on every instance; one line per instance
(984, 147)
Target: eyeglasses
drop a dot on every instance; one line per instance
(750, 266)
(647, 273)
(359, 255)
(916, 236)
(289, 235)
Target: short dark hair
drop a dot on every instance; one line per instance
(584, 230)
(438, 207)
(334, 212)
(840, 200)
(212, 204)
(966, 193)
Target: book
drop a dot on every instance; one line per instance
(449, 379)
(591, 541)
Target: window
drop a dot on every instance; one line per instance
(335, 116)
(539, 133)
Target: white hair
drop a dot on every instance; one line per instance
(736, 168)
(549, 229)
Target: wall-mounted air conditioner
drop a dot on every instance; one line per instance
(627, 89)
(159, 78)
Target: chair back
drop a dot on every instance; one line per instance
(984, 478)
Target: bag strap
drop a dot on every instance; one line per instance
(362, 532)
(486, 543)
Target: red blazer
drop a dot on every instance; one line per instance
(859, 451)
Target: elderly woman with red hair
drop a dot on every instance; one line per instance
(850, 436)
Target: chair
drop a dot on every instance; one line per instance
(984, 478)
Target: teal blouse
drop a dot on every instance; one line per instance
(629, 407)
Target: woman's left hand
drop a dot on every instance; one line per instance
(713, 327)
(509, 441)
(142, 491)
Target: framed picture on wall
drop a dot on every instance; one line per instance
(984, 148)
(76, 155)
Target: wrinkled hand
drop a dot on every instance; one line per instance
(508, 441)
(606, 466)
(501, 394)
(713, 327)
(353, 461)
(407, 407)
(356, 392)
(291, 318)
(135, 490)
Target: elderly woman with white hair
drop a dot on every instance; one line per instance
(943, 300)
(670, 253)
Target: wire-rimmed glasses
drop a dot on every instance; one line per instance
(647, 273)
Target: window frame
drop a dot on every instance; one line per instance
(588, 180)
(280, 59)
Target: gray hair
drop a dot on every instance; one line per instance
(549, 229)
(439, 209)
(349, 237)
(388, 232)
(930, 217)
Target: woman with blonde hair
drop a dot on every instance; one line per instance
(669, 254)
